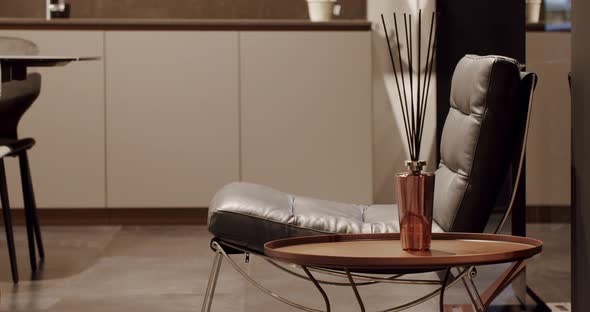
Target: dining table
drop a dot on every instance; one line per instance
(15, 67)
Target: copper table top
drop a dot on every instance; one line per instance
(384, 252)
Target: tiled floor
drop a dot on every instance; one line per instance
(166, 269)
(549, 274)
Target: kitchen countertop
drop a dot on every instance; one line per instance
(183, 24)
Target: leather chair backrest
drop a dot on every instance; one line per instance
(481, 135)
(17, 46)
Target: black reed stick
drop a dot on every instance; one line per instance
(396, 79)
(419, 112)
(414, 108)
(429, 64)
(427, 60)
(411, 91)
(401, 62)
(430, 70)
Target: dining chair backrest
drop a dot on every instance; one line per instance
(17, 46)
(17, 97)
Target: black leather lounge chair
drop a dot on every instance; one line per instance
(485, 128)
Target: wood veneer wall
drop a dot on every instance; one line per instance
(170, 9)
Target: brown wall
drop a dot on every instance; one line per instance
(222, 9)
(24, 8)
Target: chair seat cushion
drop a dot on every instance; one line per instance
(11, 147)
(249, 215)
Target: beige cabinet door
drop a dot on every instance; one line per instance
(68, 123)
(306, 113)
(172, 117)
(548, 158)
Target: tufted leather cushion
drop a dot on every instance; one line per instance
(250, 215)
(479, 139)
(480, 136)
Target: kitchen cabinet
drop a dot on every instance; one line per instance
(306, 113)
(172, 117)
(68, 123)
(166, 118)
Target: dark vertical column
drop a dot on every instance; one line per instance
(481, 27)
(580, 156)
(475, 27)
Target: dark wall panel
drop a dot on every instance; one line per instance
(580, 156)
(477, 27)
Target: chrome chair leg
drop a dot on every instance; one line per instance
(254, 283)
(371, 280)
(442, 289)
(212, 283)
(472, 291)
(319, 287)
(356, 291)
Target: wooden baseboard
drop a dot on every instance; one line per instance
(116, 216)
(548, 214)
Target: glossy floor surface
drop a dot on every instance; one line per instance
(165, 268)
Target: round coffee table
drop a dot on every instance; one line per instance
(358, 254)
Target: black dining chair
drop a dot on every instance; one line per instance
(16, 97)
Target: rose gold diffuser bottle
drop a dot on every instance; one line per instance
(415, 193)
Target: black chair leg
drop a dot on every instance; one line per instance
(33, 230)
(24, 163)
(8, 222)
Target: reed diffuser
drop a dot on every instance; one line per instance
(415, 188)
